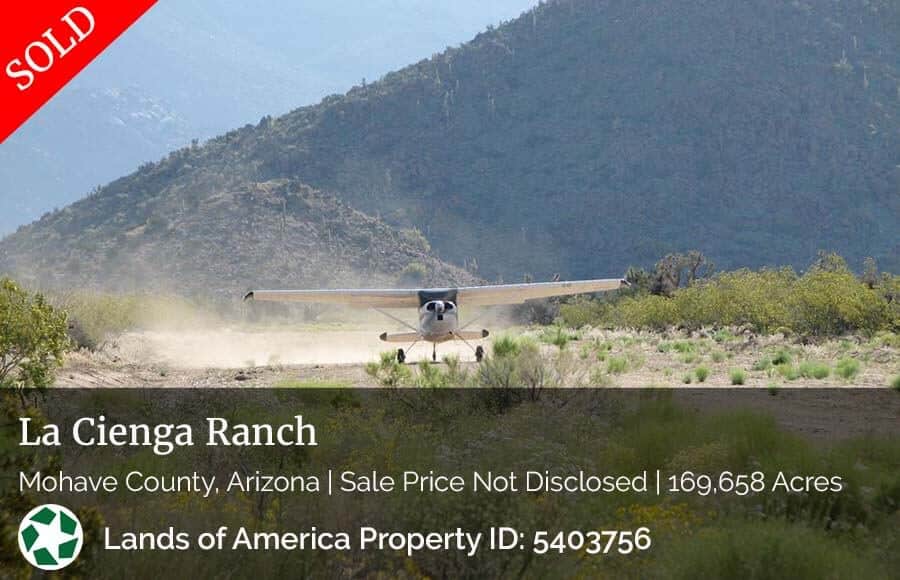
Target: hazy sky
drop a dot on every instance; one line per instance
(195, 69)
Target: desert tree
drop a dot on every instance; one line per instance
(33, 337)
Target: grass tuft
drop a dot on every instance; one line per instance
(616, 365)
(702, 374)
(847, 368)
(814, 370)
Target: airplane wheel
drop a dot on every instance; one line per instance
(479, 353)
(401, 356)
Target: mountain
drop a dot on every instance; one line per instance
(219, 239)
(210, 65)
(588, 135)
(49, 165)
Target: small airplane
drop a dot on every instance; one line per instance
(438, 307)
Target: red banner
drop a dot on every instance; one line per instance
(46, 43)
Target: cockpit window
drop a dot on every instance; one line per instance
(430, 307)
(448, 305)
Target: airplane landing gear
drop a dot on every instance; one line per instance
(434, 352)
(479, 353)
(401, 356)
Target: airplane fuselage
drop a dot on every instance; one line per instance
(438, 320)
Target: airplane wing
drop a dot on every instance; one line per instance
(413, 298)
(518, 293)
(359, 298)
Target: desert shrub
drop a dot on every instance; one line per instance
(616, 365)
(456, 375)
(718, 356)
(33, 337)
(738, 376)
(684, 346)
(847, 368)
(788, 371)
(887, 338)
(740, 298)
(522, 367)
(387, 372)
(430, 376)
(687, 378)
(763, 364)
(583, 312)
(814, 370)
(832, 303)
(782, 357)
(702, 374)
(723, 335)
(557, 336)
(651, 311)
(895, 383)
(505, 345)
(827, 300)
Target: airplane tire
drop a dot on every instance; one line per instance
(401, 356)
(479, 353)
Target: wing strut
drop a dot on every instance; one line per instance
(391, 316)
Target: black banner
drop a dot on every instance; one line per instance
(458, 483)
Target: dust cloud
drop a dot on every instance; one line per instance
(240, 348)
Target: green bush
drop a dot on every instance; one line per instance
(847, 368)
(702, 374)
(738, 376)
(782, 357)
(388, 372)
(616, 365)
(521, 367)
(505, 345)
(684, 346)
(582, 312)
(687, 378)
(654, 312)
(430, 376)
(895, 383)
(788, 372)
(833, 303)
(814, 370)
(33, 337)
(828, 300)
(557, 336)
(762, 364)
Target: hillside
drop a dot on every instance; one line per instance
(219, 239)
(588, 135)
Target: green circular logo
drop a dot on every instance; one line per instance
(50, 537)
